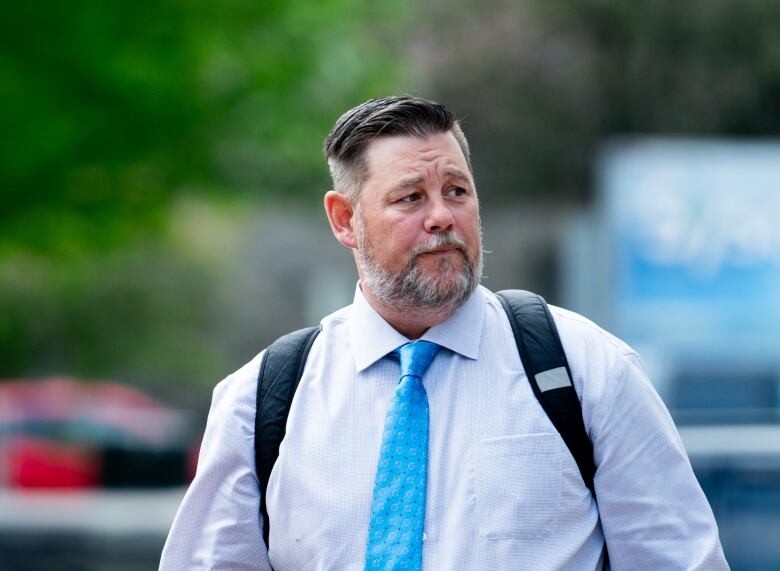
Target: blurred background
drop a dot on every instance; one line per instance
(161, 181)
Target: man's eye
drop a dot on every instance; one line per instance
(414, 197)
(456, 191)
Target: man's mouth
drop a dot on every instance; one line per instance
(441, 246)
(442, 251)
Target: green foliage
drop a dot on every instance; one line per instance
(140, 315)
(111, 110)
(113, 115)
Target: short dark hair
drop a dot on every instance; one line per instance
(346, 144)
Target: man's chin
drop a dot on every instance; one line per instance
(444, 288)
(445, 285)
(444, 265)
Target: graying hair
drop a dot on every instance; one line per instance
(346, 144)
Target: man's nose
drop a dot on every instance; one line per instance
(439, 217)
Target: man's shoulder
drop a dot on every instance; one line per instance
(576, 328)
(592, 352)
(336, 319)
(596, 357)
(237, 384)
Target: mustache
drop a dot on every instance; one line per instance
(438, 241)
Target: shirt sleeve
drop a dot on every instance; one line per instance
(653, 512)
(217, 526)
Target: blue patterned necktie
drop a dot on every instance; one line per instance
(395, 533)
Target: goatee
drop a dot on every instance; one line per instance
(411, 288)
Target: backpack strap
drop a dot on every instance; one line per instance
(548, 372)
(280, 372)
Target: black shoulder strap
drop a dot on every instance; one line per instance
(277, 380)
(548, 372)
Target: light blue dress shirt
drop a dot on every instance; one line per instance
(503, 490)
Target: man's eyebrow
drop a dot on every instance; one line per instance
(456, 174)
(408, 183)
(412, 182)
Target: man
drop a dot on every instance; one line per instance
(457, 466)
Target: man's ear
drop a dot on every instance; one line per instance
(340, 212)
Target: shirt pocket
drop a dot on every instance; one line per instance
(518, 486)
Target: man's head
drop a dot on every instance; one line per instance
(404, 201)
(345, 146)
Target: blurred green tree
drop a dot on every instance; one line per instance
(112, 110)
(114, 117)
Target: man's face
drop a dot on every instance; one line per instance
(417, 223)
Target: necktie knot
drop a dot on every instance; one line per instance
(416, 357)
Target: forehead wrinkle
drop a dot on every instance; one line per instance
(439, 165)
(448, 172)
(414, 167)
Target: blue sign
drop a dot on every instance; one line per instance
(694, 242)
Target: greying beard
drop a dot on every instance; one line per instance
(411, 288)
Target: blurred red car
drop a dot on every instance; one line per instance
(64, 433)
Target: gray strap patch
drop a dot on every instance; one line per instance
(552, 379)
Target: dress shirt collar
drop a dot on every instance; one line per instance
(372, 337)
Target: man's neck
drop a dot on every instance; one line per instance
(412, 323)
